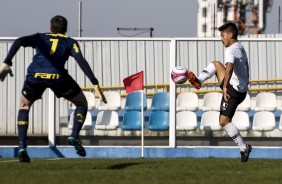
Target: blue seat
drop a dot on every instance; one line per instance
(131, 120)
(159, 121)
(160, 102)
(133, 101)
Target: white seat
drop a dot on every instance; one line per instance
(210, 121)
(245, 105)
(113, 102)
(265, 101)
(187, 101)
(186, 120)
(241, 120)
(107, 120)
(212, 101)
(263, 121)
(87, 123)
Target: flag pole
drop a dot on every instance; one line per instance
(142, 123)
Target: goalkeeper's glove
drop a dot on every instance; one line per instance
(4, 70)
(100, 93)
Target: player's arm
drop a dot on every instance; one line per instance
(227, 77)
(22, 41)
(83, 64)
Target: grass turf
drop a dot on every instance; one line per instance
(135, 171)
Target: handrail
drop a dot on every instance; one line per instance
(166, 87)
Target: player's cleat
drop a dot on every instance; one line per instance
(77, 145)
(23, 156)
(100, 93)
(194, 80)
(245, 154)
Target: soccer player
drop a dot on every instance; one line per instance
(233, 78)
(47, 70)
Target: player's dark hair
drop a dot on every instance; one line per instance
(59, 24)
(230, 27)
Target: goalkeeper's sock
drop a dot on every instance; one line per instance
(78, 120)
(234, 133)
(22, 127)
(207, 73)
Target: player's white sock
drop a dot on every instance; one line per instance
(207, 73)
(234, 133)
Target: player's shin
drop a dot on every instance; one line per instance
(78, 120)
(22, 127)
(234, 133)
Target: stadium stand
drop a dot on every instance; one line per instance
(132, 121)
(114, 102)
(187, 101)
(107, 120)
(263, 121)
(265, 101)
(241, 120)
(186, 120)
(210, 121)
(133, 101)
(160, 102)
(212, 101)
(159, 121)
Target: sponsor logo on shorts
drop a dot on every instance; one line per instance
(223, 106)
(47, 75)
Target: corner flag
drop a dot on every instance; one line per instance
(134, 82)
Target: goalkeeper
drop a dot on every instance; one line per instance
(47, 71)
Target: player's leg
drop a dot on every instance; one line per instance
(23, 112)
(227, 111)
(213, 68)
(31, 91)
(71, 91)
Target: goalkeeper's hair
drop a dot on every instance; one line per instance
(59, 24)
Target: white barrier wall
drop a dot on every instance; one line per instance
(113, 59)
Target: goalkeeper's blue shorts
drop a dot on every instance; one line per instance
(62, 86)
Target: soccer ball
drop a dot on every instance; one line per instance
(179, 75)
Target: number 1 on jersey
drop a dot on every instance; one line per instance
(54, 45)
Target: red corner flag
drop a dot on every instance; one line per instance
(134, 82)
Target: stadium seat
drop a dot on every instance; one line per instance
(212, 101)
(245, 105)
(133, 101)
(241, 120)
(131, 121)
(187, 101)
(160, 102)
(114, 102)
(87, 123)
(186, 120)
(210, 121)
(263, 121)
(159, 121)
(107, 120)
(265, 101)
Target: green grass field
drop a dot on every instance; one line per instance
(135, 171)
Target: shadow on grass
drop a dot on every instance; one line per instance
(122, 165)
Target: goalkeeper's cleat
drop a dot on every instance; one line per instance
(77, 145)
(100, 93)
(245, 154)
(23, 156)
(194, 80)
(4, 70)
